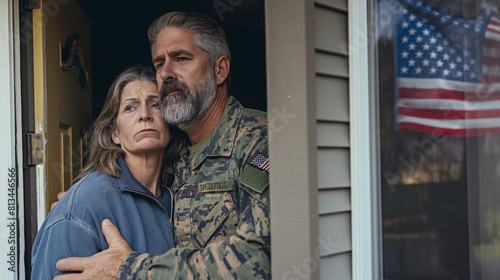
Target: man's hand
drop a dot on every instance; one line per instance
(59, 195)
(103, 265)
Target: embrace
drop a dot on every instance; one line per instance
(176, 185)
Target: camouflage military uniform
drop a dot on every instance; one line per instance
(221, 218)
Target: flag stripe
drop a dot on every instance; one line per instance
(493, 26)
(493, 30)
(437, 93)
(491, 78)
(433, 83)
(452, 124)
(448, 114)
(495, 21)
(491, 52)
(491, 61)
(442, 104)
(491, 40)
(449, 132)
(491, 69)
(265, 165)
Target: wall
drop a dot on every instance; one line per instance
(333, 141)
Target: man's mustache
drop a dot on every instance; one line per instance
(173, 86)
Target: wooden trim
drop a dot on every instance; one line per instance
(40, 109)
(291, 99)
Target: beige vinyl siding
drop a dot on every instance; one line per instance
(333, 168)
(332, 114)
(333, 135)
(329, 91)
(331, 65)
(334, 201)
(335, 237)
(340, 5)
(336, 267)
(333, 29)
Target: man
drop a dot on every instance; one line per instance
(221, 219)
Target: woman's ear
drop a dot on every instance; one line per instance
(222, 66)
(115, 138)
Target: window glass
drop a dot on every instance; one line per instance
(438, 64)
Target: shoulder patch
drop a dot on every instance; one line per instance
(260, 161)
(255, 177)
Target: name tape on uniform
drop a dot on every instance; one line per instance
(216, 186)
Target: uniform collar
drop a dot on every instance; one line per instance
(222, 137)
(127, 181)
(220, 145)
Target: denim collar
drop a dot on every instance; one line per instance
(127, 181)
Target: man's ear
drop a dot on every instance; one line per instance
(222, 66)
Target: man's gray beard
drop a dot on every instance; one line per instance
(184, 107)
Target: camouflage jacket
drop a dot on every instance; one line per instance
(221, 214)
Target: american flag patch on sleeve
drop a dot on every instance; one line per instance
(260, 161)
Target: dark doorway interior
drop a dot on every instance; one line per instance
(119, 39)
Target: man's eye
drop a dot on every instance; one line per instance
(182, 58)
(159, 65)
(155, 105)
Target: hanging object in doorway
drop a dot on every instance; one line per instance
(71, 56)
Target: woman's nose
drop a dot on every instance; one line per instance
(145, 114)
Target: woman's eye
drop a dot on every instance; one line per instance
(128, 108)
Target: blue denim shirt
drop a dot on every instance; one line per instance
(73, 227)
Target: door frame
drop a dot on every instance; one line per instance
(11, 163)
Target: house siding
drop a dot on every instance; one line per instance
(333, 144)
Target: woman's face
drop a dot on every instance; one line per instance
(140, 128)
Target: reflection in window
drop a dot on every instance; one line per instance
(439, 95)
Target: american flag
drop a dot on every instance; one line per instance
(448, 72)
(260, 161)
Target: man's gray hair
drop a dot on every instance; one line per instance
(208, 34)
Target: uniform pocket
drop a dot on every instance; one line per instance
(214, 220)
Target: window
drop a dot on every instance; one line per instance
(438, 66)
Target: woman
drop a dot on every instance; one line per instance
(124, 180)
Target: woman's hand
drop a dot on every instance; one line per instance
(103, 265)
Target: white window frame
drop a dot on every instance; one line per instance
(365, 213)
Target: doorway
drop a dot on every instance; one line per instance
(111, 37)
